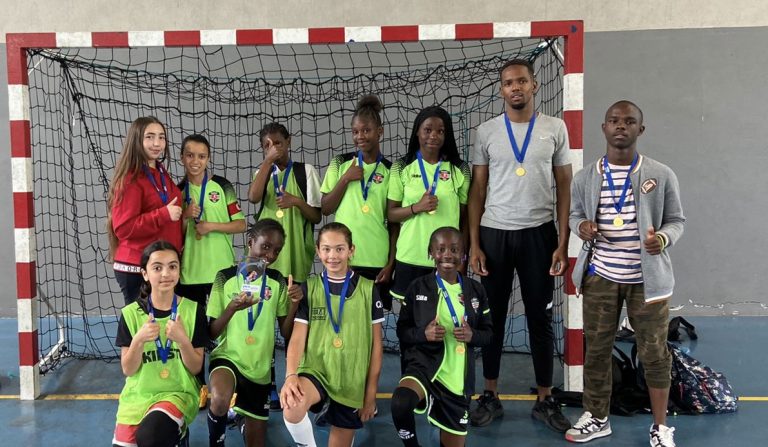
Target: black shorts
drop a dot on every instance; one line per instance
(383, 287)
(404, 276)
(252, 398)
(334, 413)
(445, 410)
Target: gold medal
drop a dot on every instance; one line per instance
(618, 222)
(164, 373)
(460, 349)
(337, 343)
(280, 214)
(366, 209)
(520, 171)
(249, 340)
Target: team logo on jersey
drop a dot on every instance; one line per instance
(318, 313)
(475, 303)
(214, 196)
(445, 175)
(649, 185)
(378, 177)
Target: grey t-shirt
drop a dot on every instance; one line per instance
(512, 202)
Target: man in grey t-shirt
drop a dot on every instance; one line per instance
(516, 157)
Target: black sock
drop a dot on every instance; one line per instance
(404, 401)
(217, 429)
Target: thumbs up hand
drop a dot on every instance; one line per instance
(653, 242)
(174, 210)
(434, 331)
(354, 173)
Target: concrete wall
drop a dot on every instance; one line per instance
(700, 89)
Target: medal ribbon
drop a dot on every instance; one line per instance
(363, 184)
(607, 169)
(277, 186)
(336, 324)
(454, 317)
(163, 352)
(188, 199)
(251, 319)
(520, 154)
(163, 193)
(424, 174)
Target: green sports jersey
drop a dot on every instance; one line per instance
(369, 229)
(343, 371)
(452, 370)
(147, 386)
(299, 248)
(202, 258)
(407, 187)
(250, 351)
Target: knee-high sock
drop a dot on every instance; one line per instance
(301, 432)
(404, 401)
(217, 429)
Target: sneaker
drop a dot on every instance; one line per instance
(588, 428)
(274, 401)
(488, 408)
(548, 411)
(662, 436)
(203, 397)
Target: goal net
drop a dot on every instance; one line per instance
(82, 100)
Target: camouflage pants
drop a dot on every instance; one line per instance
(602, 308)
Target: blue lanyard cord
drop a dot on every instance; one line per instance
(201, 202)
(163, 193)
(336, 323)
(520, 154)
(433, 188)
(363, 184)
(244, 275)
(607, 170)
(447, 298)
(287, 173)
(163, 352)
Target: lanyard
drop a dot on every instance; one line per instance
(520, 154)
(363, 184)
(447, 297)
(244, 274)
(163, 193)
(607, 169)
(337, 323)
(277, 186)
(202, 196)
(424, 174)
(163, 352)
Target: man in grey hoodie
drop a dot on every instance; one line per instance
(626, 208)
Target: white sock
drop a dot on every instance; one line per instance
(302, 432)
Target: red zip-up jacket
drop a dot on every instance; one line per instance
(139, 216)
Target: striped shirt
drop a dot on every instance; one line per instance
(617, 248)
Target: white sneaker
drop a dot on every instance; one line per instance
(662, 436)
(588, 428)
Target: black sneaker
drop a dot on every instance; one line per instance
(488, 408)
(548, 411)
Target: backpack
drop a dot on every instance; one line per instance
(628, 396)
(697, 388)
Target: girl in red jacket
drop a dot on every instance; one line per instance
(144, 204)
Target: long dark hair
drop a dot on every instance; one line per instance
(449, 151)
(146, 288)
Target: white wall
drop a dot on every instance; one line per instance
(598, 15)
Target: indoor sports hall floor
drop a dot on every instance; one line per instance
(79, 402)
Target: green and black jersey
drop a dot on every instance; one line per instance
(407, 187)
(249, 350)
(203, 257)
(367, 219)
